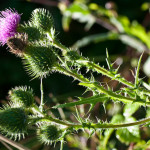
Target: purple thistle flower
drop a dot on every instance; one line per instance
(9, 20)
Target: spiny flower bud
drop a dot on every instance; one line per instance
(23, 96)
(71, 55)
(17, 44)
(13, 121)
(39, 60)
(42, 19)
(31, 30)
(49, 133)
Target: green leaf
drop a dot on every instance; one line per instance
(133, 42)
(130, 134)
(89, 100)
(79, 12)
(95, 39)
(141, 34)
(66, 20)
(146, 67)
(130, 109)
(118, 118)
(125, 136)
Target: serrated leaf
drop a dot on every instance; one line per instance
(125, 136)
(130, 109)
(89, 100)
(133, 129)
(130, 134)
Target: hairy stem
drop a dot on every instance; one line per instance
(92, 125)
(72, 73)
(42, 93)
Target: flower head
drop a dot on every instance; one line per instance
(9, 20)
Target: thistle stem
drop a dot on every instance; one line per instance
(99, 69)
(86, 125)
(93, 125)
(61, 144)
(114, 126)
(72, 73)
(93, 65)
(42, 93)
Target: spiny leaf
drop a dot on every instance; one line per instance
(130, 134)
(89, 100)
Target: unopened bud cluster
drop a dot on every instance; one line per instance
(49, 133)
(30, 42)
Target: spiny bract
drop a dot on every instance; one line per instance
(22, 96)
(39, 60)
(13, 121)
(49, 133)
(42, 19)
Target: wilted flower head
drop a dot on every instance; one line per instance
(9, 20)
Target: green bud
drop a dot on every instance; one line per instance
(13, 121)
(39, 60)
(71, 55)
(42, 19)
(31, 30)
(23, 96)
(49, 133)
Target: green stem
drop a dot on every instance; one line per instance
(60, 46)
(62, 145)
(93, 125)
(106, 138)
(115, 126)
(56, 43)
(42, 93)
(71, 73)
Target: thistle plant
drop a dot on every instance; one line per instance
(35, 42)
